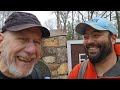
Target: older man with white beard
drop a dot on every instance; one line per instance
(20, 45)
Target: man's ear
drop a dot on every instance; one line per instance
(114, 38)
(1, 39)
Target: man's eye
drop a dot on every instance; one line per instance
(96, 35)
(37, 42)
(85, 37)
(22, 40)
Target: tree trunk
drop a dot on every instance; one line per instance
(118, 23)
(58, 20)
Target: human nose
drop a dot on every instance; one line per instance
(30, 48)
(90, 39)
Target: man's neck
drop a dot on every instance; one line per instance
(106, 64)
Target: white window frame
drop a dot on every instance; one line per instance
(69, 43)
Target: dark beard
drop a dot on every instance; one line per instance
(105, 50)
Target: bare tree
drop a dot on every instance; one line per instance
(118, 22)
(91, 14)
(3, 16)
(64, 17)
(57, 13)
(81, 15)
(50, 24)
(69, 19)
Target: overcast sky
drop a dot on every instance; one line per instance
(43, 16)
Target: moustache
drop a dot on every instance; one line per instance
(93, 44)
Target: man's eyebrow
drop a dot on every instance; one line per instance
(20, 34)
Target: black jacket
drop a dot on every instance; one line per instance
(36, 74)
